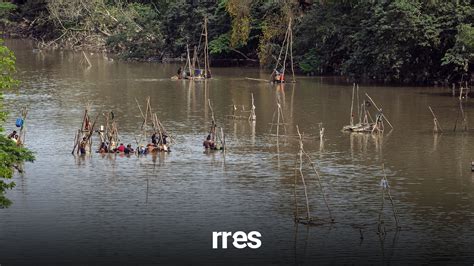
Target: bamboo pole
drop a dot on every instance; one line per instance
(308, 215)
(464, 118)
(287, 48)
(87, 59)
(320, 184)
(296, 214)
(351, 120)
(278, 119)
(358, 104)
(195, 55)
(252, 116)
(190, 67)
(395, 215)
(291, 53)
(223, 140)
(379, 109)
(22, 133)
(281, 52)
(207, 68)
(75, 142)
(380, 229)
(213, 123)
(437, 126)
(205, 46)
(321, 132)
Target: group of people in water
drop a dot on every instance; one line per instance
(159, 143)
(104, 148)
(198, 73)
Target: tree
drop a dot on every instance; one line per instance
(11, 155)
(392, 41)
(461, 56)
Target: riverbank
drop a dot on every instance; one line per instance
(393, 42)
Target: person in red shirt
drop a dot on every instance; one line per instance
(121, 148)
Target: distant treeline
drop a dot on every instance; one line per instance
(400, 41)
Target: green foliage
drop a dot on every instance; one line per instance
(5, 9)
(461, 56)
(7, 68)
(220, 45)
(11, 155)
(239, 10)
(140, 35)
(311, 62)
(393, 41)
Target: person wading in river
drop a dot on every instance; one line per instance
(83, 145)
(208, 143)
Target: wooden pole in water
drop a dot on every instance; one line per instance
(395, 215)
(22, 133)
(294, 191)
(252, 116)
(358, 104)
(320, 184)
(75, 142)
(281, 52)
(87, 59)
(291, 53)
(287, 47)
(190, 67)
(278, 119)
(207, 69)
(308, 215)
(223, 139)
(351, 120)
(437, 126)
(321, 132)
(213, 123)
(464, 118)
(378, 109)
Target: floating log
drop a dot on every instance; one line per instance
(263, 80)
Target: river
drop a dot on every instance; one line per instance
(163, 209)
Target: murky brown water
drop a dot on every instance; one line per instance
(163, 208)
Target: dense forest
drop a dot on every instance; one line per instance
(400, 41)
